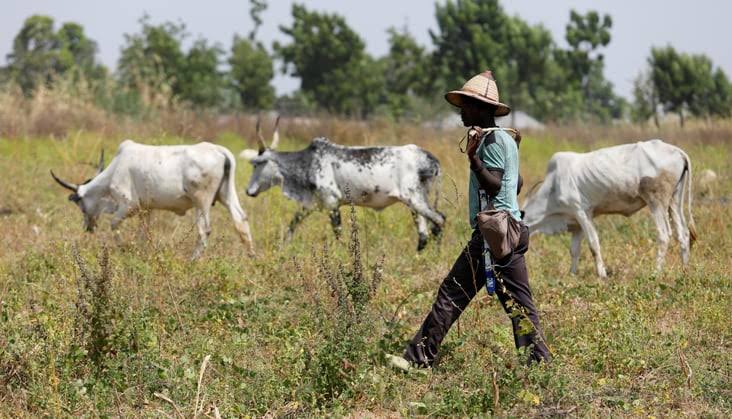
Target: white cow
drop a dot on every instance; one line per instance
(173, 178)
(614, 180)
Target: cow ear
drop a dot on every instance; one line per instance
(75, 198)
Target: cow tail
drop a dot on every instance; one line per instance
(227, 188)
(688, 183)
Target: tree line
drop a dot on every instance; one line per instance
(337, 74)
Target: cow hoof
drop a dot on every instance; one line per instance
(436, 231)
(422, 243)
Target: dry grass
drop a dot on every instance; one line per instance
(634, 345)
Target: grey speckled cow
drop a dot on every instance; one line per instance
(327, 175)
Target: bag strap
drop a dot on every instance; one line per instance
(514, 132)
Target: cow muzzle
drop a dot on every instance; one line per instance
(252, 192)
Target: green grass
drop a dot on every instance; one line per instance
(280, 336)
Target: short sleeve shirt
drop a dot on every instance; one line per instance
(497, 151)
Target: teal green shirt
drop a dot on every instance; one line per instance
(499, 154)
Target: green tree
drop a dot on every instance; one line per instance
(719, 100)
(475, 35)
(712, 92)
(529, 64)
(667, 75)
(251, 74)
(645, 104)
(200, 81)
(330, 59)
(406, 72)
(151, 60)
(585, 34)
(75, 49)
(471, 37)
(154, 62)
(252, 69)
(584, 62)
(40, 53)
(689, 84)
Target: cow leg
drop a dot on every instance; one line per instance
(681, 228)
(118, 216)
(300, 215)
(589, 230)
(335, 222)
(203, 223)
(436, 229)
(241, 221)
(575, 248)
(660, 217)
(421, 224)
(421, 207)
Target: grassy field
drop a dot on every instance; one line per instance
(92, 326)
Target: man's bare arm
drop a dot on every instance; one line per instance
(489, 180)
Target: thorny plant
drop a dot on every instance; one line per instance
(332, 367)
(94, 307)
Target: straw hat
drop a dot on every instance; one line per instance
(481, 87)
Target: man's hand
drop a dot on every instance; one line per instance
(474, 136)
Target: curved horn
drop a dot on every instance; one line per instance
(70, 186)
(100, 166)
(276, 134)
(533, 188)
(260, 138)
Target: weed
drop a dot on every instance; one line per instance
(331, 368)
(94, 309)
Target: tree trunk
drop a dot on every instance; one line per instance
(681, 117)
(654, 105)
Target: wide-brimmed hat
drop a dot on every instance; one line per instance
(483, 88)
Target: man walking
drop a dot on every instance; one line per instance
(494, 166)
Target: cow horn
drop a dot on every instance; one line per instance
(100, 166)
(276, 134)
(70, 186)
(260, 138)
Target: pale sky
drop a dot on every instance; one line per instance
(702, 26)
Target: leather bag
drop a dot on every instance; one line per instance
(500, 230)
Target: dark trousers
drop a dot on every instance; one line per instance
(467, 278)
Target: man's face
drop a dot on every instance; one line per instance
(474, 113)
(470, 115)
